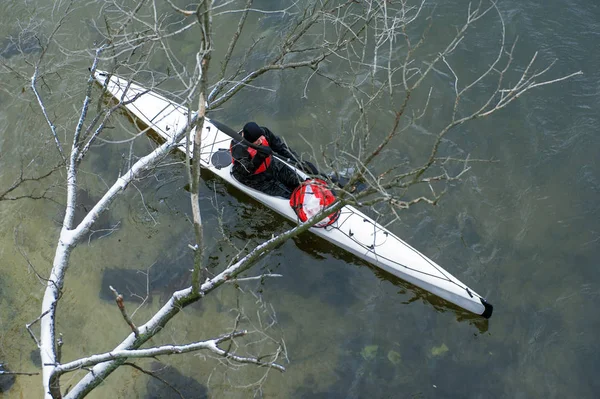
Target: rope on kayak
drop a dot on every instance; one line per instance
(346, 214)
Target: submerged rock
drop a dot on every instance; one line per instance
(134, 285)
(130, 283)
(169, 273)
(6, 380)
(180, 385)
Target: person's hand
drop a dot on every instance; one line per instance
(260, 157)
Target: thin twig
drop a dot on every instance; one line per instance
(121, 305)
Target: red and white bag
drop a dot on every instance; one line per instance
(309, 198)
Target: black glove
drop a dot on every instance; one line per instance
(258, 159)
(263, 150)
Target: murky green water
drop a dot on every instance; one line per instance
(522, 231)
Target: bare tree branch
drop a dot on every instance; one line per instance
(211, 345)
(121, 305)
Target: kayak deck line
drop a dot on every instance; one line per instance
(353, 231)
(386, 234)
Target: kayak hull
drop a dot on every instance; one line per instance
(353, 231)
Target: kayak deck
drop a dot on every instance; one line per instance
(353, 231)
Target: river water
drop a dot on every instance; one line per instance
(523, 231)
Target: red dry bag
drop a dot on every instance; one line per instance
(309, 198)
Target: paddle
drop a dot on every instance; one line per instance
(305, 166)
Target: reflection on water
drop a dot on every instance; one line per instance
(20, 43)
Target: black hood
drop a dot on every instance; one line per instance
(252, 131)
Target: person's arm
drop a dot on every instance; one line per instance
(278, 145)
(248, 164)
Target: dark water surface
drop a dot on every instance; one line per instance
(523, 231)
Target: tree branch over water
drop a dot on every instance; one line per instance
(377, 52)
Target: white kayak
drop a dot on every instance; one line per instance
(353, 231)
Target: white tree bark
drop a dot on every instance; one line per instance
(68, 239)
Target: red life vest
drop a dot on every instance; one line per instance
(309, 198)
(267, 162)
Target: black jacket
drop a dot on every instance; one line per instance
(278, 179)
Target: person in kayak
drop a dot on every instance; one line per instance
(259, 170)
